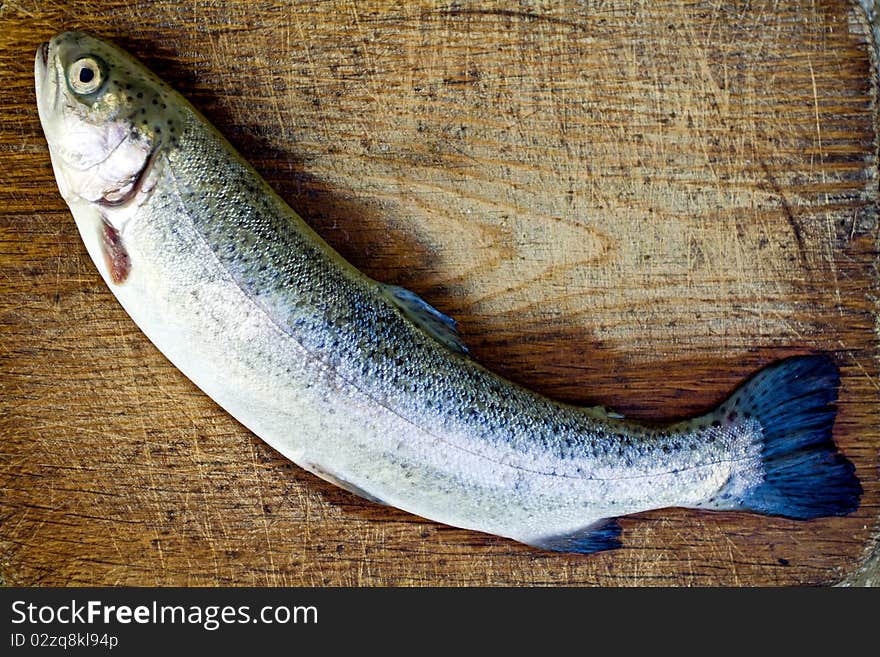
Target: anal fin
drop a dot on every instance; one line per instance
(439, 326)
(598, 537)
(338, 481)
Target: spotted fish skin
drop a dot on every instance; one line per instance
(358, 382)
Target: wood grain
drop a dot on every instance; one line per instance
(623, 202)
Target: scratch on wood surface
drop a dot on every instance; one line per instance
(207, 513)
(271, 577)
(789, 214)
(861, 367)
(829, 223)
(818, 121)
(135, 401)
(11, 6)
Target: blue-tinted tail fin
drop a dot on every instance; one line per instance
(804, 475)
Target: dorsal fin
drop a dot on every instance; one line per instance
(426, 317)
(604, 412)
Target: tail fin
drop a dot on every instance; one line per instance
(804, 476)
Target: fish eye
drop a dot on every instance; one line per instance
(84, 76)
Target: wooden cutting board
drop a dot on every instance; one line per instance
(623, 202)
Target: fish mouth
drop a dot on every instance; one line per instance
(43, 50)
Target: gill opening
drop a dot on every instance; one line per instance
(136, 185)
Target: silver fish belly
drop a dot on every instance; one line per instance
(365, 384)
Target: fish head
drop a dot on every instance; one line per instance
(106, 117)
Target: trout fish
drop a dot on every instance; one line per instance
(366, 384)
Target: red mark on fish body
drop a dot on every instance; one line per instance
(115, 254)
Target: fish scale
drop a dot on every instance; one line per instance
(366, 384)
